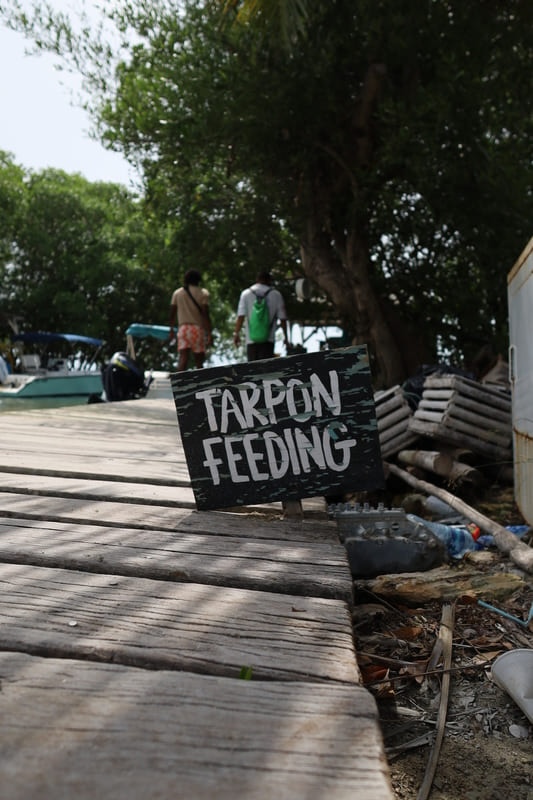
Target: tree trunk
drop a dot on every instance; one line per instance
(356, 302)
(335, 253)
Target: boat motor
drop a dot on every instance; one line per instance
(123, 378)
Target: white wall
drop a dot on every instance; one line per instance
(520, 300)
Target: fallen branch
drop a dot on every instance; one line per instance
(427, 673)
(505, 541)
(445, 640)
(443, 584)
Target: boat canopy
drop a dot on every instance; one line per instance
(42, 337)
(143, 331)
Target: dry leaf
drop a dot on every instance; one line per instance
(416, 670)
(408, 632)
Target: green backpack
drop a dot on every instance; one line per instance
(259, 322)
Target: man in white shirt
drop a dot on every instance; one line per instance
(276, 307)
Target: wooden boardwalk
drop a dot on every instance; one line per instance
(127, 618)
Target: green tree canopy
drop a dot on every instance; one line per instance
(384, 152)
(77, 256)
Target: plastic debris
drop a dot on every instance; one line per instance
(385, 541)
(457, 539)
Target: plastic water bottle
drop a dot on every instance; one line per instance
(457, 539)
(487, 540)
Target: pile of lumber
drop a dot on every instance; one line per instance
(467, 414)
(454, 414)
(393, 415)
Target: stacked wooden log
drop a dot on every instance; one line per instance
(467, 414)
(393, 414)
(446, 464)
(455, 414)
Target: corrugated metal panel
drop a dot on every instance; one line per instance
(520, 300)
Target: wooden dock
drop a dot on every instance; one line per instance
(128, 621)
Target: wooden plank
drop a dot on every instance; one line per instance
(116, 502)
(122, 440)
(91, 488)
(164, 625)
(381, 395)
(393, 414)
(456, 400)
(244, 561)
(183, 740)
(116, 466)
(129, 455)
(156, 411)
(91, 435)
(71, 729)
(59, 449)
(168, 493)
(164, 492)
(149, 440)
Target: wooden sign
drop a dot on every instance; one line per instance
(279, 429)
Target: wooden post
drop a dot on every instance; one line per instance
(292, 509)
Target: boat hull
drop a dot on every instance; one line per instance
(72, 384)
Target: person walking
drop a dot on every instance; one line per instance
(260, 344)
(189, 309)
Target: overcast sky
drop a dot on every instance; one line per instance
(40, 126)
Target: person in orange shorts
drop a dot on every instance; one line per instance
(189, 309)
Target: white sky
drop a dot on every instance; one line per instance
(40, 126)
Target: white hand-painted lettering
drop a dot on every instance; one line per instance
(343, 446)
(270, 401)
(211, 462)
(277, 464)
(333, 400)
(229, 405)
(233, 458)
(252, 457)
(305, 396)
(207, 396)
(308, 448)
(249, 400)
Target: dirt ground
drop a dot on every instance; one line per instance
(486, 752)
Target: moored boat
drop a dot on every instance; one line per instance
(123, 376)
(57, 366)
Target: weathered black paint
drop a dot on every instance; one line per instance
(272, 425)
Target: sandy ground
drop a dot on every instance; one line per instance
(487, 747)
(487, 752)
